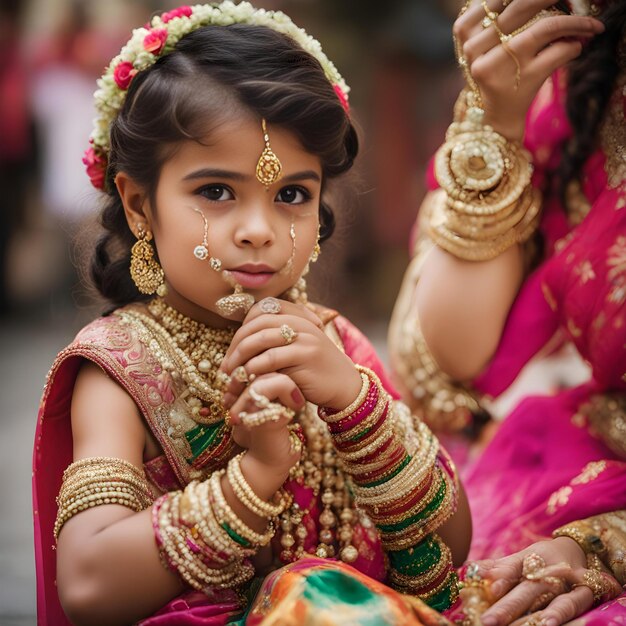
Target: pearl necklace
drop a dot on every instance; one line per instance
(193, 351)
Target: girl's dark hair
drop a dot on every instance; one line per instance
(212, 72)
(592, 79)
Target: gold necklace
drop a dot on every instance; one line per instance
(192, 351)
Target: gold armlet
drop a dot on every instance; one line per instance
(490, 204)
(101, 480)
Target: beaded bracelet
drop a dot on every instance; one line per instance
(246, 495)
(229, 519)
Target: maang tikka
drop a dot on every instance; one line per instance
(268, 169)
(145, 270)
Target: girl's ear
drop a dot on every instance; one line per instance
(136, 206)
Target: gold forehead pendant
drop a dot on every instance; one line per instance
(268, 169)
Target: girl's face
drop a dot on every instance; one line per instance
(263, 237)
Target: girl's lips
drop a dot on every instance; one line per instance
(251, 280)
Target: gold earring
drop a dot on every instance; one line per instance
(287, 269)
(145, 271)
(201, 252)
(316, 250)
(268, 169)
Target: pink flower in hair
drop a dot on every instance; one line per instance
(342, 98)
(155, 40)
(96, 167)
(183, 11)
(123, 74)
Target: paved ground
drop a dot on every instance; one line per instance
(28, 347)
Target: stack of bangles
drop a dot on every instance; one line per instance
(489, 204)
(203, 540)
(405, 484)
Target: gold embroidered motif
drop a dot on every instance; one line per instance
(590, 472)
(606, 414)
(558, 499)
(585, 271)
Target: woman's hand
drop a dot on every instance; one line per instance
(509, 73)
(548, 582)
(292, 342)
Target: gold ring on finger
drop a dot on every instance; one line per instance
(597, 582)
(240, 375)
(288, 334)
(490, 16)
(270, 305)
(542, 601)
(532, 564)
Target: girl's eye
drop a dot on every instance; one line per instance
(216, 193)
(293, 195)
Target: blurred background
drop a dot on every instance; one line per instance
(397, 57)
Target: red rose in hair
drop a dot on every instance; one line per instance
(155, 40)
(96, 167)
(342, 98)
(183, 11)
(123, 74)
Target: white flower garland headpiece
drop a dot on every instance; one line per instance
(157, 39)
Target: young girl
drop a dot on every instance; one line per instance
(215, 428)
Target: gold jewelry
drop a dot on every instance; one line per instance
(542, 601)
(145, 271)
(490, 16)
(270, 305)
(288, 334)
(240, 375)
(532, 564)
(597, 582)
(288, 267)
(201, 252)
(248, 498)
(490, 204)
(261, 401)
(225, 515)
(237, 301)
(97, 481)
(317, 250)
(269, 411)
(269, 169)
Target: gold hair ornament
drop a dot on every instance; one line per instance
(269, 169)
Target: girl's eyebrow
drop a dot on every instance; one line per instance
(236, 176)
(215, 173)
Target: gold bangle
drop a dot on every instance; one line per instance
(100, 481)
(246, 495)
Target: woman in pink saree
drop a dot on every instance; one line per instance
(557, 464)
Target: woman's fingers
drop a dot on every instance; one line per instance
(530, 42)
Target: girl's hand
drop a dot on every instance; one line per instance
(292, 342)
(269, 443)
(549, 580)
(540, 49)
